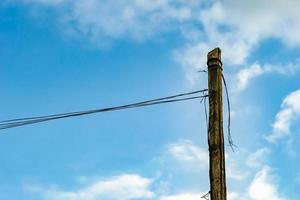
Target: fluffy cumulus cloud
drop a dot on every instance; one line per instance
(126, 186)
(101, 20)
(278, 19)
(237, 27)
(181, 157)
(258, 19)
(245, 75)
(196, 196)
(136, 186)
(263, 187)
(242, 166)
(257, 158)
(133, 186)
(290, 109)
(185, 152)
(190, 196)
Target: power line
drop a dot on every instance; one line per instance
(39, 120)
(6, 124)
(142, 102)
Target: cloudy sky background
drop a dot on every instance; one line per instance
(66, 55)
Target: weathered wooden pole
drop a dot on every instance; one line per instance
(217, 174)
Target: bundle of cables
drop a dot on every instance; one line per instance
(199, 94)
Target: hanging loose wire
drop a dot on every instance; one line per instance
(206, 119)
(6, 124)
(229, 137)
(230, 141)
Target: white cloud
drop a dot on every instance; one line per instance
(234, 167)
(182, 158)
(256, 159)
(192, 58)
(123, 187)
(258, 19)
(234, 46)
(134, 186)
(196, 196)
(236, 27)
(101, 20)
(245, 75)
(293, 101)
(290, 109)
(184, 196)
(281, 126)
(263, 187)
(236, 174)
(186, 153)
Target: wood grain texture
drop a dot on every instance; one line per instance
(215, 131)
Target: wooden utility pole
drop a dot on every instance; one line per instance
(217, 174)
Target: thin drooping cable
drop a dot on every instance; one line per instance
(206, 119)
(32, 120)
(230, 141)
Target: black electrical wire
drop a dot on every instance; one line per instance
(6, 124)
(117, 107)
(23, 123)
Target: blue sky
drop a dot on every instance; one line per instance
(63, 55)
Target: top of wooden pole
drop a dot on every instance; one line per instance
(214, 57)
(214, 54)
